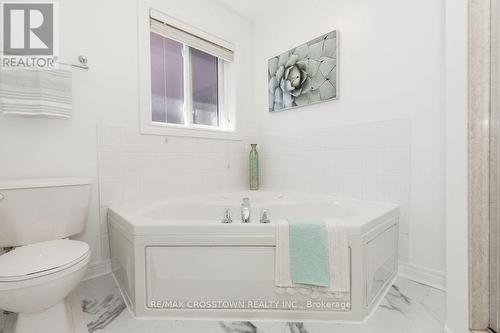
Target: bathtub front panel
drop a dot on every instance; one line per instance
(222, 277)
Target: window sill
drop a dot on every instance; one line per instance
(190, 132)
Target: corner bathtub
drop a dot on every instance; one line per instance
(175, 259)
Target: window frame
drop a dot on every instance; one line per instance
(226, 116)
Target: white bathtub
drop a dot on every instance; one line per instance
(175, 259)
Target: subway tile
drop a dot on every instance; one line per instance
(315, 184)
(114, 136)
(374, 188)
(103, 220)
(102, 137)
(236, 163)
(277, 180)
(335, 186)
(371, 161)
(370, 135)
(350, 160)
(133, 189)
(352, 137)
(132, 165)
(333, 160)
(396, 162)
(323, 139)
(111, 191)
(281, 143)
(291, 142)
(213, 182)
(352, 185)
(309, 140)
(159, 188)
(160, 164)
(313, 162)
(315, 139)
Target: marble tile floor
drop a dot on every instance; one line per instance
(409, 307)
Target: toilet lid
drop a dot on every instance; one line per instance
(42, 257)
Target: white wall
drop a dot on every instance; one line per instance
(107, 94)
(391, 67)
(456, 167)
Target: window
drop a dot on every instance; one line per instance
(188, 77)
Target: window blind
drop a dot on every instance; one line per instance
(191, 40)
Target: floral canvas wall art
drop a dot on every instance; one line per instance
(304, 75)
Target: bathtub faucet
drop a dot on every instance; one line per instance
(228, 216)
(245, 210)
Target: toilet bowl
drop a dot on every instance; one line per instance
(35, 281)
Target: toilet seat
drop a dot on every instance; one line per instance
(41, 259)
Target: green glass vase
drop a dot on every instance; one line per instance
(254, 168)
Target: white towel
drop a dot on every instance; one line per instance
(338, 254)
(283, 272)
(36, 92)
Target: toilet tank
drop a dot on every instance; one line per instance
(37, 210)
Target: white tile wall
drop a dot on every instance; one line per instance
(146, 167)
(369, 161)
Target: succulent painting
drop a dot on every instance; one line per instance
(304, 75)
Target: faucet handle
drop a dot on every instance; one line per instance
(265, 216)
(228, 216)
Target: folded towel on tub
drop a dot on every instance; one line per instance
(337, 255)
(309, 252)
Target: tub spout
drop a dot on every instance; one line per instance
(245, 210)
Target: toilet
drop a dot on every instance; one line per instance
(42, 267)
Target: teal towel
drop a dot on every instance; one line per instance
(309, 262)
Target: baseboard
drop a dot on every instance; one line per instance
(98, 268)
(447, 330)
(424, 275)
